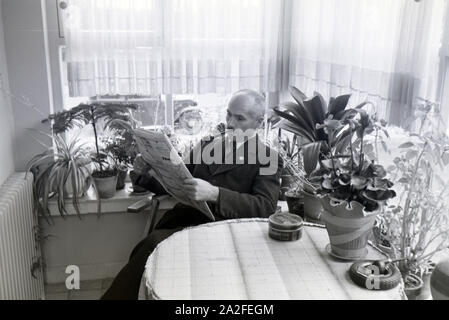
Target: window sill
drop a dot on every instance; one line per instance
(117, 204)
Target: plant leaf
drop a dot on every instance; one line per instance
(322, 102)
(297, 94)
(300, 112)
(445, 158)
(311, 154)
(411, 154)
(288, 126)
(339, 104)
(359, 182)
(299, 122)
(406, 145)
(315, 109)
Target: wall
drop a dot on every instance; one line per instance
(6, 114)
(98, 246)
(28, 73)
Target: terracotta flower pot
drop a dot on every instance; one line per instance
(106, 186)
(312, 206)
(287, 181)
(348, 227)
(295, 203)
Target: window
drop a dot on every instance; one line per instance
(153, 47)
(443, 90)
(91, 22)
(191, 116)
(386, 52)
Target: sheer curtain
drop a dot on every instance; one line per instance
(383, 51)
(149, 47)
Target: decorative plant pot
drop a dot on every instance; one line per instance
(413, 285)
(348, 227)
(286, 183)
(121, 178)
(312, 206)
(439, 281)
(106, 186)
(295, 203)
(83, 190)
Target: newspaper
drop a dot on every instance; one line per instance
(168, 167)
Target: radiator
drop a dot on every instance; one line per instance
(19, 249)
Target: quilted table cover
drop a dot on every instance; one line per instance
(236, 259)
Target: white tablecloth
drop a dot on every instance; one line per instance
(236, 259)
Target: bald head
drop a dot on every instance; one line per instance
(246, 110)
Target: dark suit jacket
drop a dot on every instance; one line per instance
(244, 192)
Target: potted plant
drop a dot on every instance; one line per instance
(61, 172)
(123, 150)
(416, 226)
(290, 156)
(302, 118)
(351, 186)
(105, 173)
(292, 176)
(122, 147)
(292, 181)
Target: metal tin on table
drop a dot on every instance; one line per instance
(285, 226)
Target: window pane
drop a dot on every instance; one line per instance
(198, 115)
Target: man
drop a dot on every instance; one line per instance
(239, 188)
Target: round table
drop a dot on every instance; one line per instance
(236, 259)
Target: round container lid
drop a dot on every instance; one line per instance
(285, 221)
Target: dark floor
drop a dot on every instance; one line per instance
(89, 290)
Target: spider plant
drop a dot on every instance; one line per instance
(53, 169)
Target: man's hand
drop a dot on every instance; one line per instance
(140, 166)
(201, 190)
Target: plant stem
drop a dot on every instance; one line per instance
(350, 147)
(408, 201)
(361, 153)
(330, 151)
(423, 122)
(375, 144)
(429, 255)
(424, 212)
(435, 237)
(96, 136)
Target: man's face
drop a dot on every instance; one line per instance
(240, 116)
